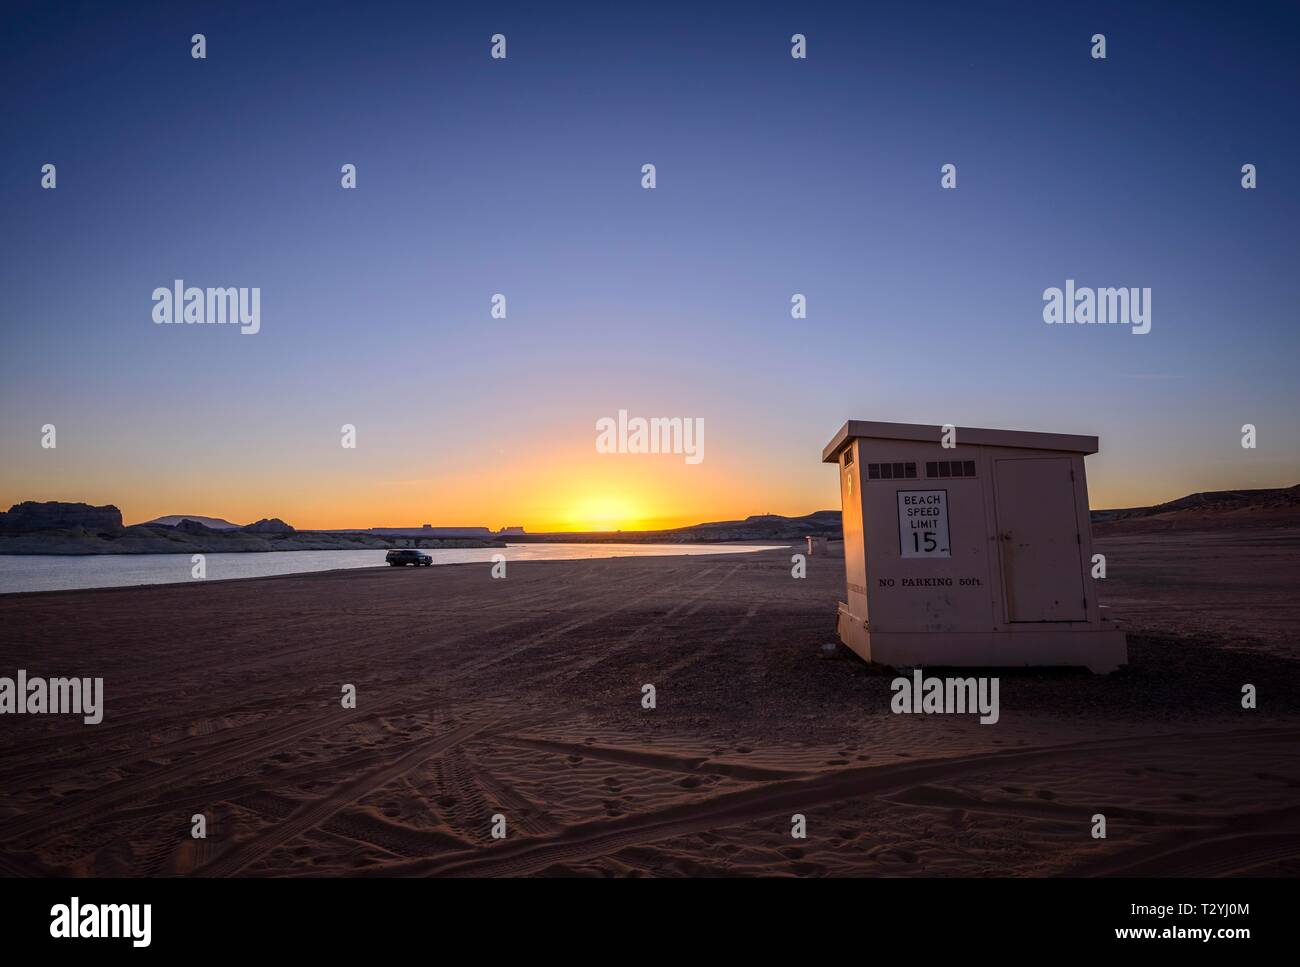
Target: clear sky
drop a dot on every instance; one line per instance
(523, 177)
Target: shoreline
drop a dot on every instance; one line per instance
(335, 571)
(237, 543)
(46, 572)
(382, 544)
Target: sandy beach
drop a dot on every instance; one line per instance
(522, 698)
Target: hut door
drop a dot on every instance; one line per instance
(1038, 534)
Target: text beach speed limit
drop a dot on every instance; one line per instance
(923, 523)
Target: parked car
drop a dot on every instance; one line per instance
(402, 556)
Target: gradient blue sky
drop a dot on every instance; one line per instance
(522, 176)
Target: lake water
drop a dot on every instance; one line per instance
(27, 572)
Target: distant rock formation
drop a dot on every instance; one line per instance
(1274, 507)
(31, 515)
(268, 525)
(471, 533)
(63, 528)
(759, 527)
(216, 523)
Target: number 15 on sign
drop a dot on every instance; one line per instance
(923, 523)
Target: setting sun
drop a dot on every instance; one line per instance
(606, 512)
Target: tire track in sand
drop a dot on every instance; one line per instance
(321, 810)
(124, 790)
(594, 839)
(128, 725)
(318, 811)
(232, 747)
(232, 750)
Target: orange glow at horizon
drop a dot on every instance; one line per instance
(541, 491)
(542, 485)
(606, 512)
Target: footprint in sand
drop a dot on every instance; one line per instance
(744, 749)
(688, 782)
